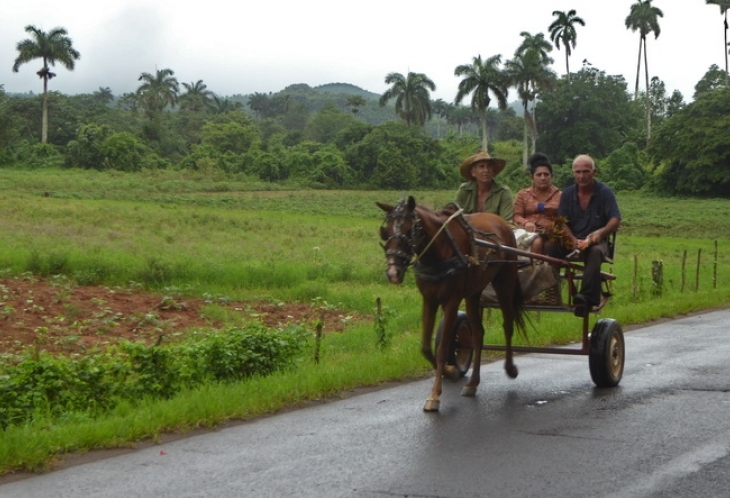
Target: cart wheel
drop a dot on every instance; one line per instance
(606, 358)
(461, 351)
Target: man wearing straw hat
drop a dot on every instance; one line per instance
(481, 192)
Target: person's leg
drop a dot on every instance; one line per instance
(591, 285)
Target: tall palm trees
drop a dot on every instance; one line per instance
(51, 47)
(528, 71)
(724, 7)
(562, 30)
(644, 18)
(480, 78)
(157, 91)
(412, 96)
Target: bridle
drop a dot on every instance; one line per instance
(407, 242)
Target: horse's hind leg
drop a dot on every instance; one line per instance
(474, 315)
(504, 285)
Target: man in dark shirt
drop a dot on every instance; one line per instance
(592, 215)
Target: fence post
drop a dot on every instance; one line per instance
(684, 266)
(697, 273)
(657, 278)
(714, 269)
(636, 269)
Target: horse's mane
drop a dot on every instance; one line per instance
(449, 209)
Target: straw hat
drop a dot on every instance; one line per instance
(480, 157)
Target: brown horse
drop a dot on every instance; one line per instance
(450, 267)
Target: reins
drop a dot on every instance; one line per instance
(441, 229)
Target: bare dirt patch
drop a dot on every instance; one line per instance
(63, 318)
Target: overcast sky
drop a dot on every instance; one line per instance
(248, 46)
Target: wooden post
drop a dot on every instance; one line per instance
(636, 270)
(657, 278)
(697, 273)
(318, 335)
(714, 269)
(684, 266)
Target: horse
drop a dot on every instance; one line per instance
(451, 267)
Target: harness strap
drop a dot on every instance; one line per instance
(443, 227)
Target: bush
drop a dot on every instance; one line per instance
(39, 385)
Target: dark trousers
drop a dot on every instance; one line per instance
(592, 258)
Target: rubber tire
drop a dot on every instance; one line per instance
(607, 354)
(459, 356)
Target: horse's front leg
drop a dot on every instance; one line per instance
(474, 315)
(428, 319)
(442, 353)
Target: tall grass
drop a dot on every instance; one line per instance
(223, 237)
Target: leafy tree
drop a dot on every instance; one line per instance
(197, 97)
(230, 136)
(259, 104)
(123, 152)
(85, 151)
(593, 114)
(394, 156)
(692, 148)
(50, 47)
(562, 30)
(158, 91)
(480, 78)
(412, 97)
(714, 78)
(644, 18)
(724, 6)
(327, 123)
(624, 168)
(662, 106)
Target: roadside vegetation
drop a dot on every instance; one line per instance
(173, 233)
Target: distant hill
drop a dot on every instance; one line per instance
(347, 89)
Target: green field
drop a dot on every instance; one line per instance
(198, 236)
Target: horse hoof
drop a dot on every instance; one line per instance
(451, 373)
(512, 371)
(468, 391)
(432, 405)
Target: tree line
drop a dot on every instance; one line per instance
(401, 139)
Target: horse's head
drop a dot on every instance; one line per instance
(400, 234)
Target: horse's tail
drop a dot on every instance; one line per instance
(520, 313)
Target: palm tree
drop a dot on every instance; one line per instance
(536, 43)
(222, 106)
(158, 91)
(104, 95)
(562, 30)
(724, 6)
(51, 47)
(355, 102)
(530, 75)
(480, 78)
(412, 97)
(643, 18)
(197, 97)
(259, 103)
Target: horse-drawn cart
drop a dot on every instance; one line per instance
(455, 259)
(603, 344)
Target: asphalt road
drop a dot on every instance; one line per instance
(664, 432)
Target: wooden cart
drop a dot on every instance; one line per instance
(603, 344)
